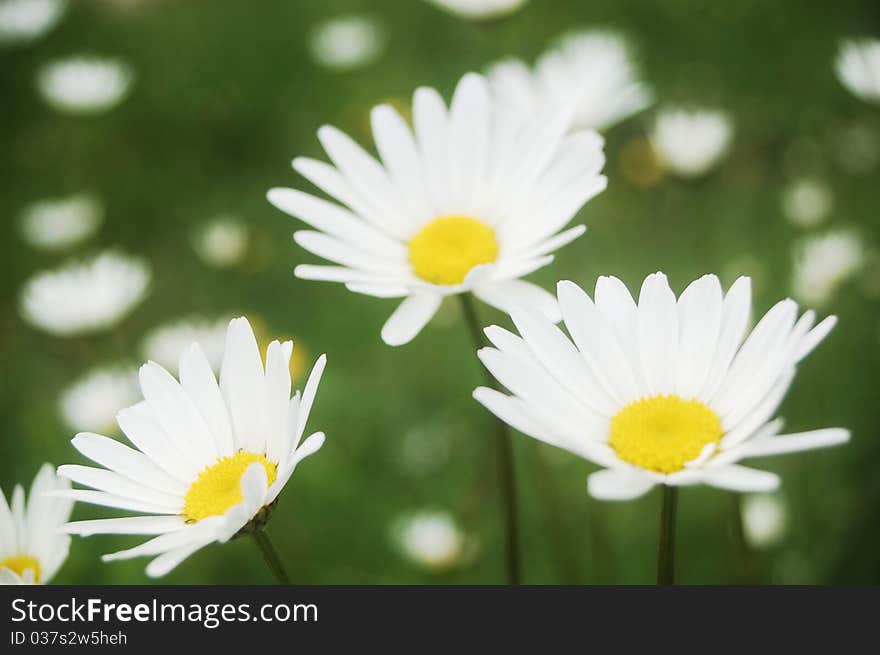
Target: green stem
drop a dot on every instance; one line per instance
(270, 556)
(666, 548)
(744, 551)
(504, 449)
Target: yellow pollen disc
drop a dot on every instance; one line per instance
(218, 487)
(447, 248)
(21, 563)
(662, 433)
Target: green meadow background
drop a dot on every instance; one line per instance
(227, 94)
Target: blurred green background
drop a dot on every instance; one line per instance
(227, 93)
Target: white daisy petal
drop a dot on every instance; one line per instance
(532, 383)
(199, 383)
(560, 358)
(509, 294)
(512, 410)
(345, 254)
(126, 525)
(116, 502)
(814, 337)
(309, 446)
(117, 485)
(409, 318)
(378, 290)
(735, 311)
(658, 333)
(792, 443)
(332, 182)
(399, 153)
(555, 242)
(333, 220)
(741, 478)
(201, 531)
(308, 397)
(598, 346)
(619, 310)
(142, 430)
(167, 561)
(176, 413)
(342, 274)
(618, 484)
(700, 309)
(365, 175)
(278, 393)
(243, 384)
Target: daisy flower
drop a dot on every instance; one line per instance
(591, 71)
(208, 460)
(59, 223)
(31, 548)
(662, 391)
(823, 262)
(85, 297)
(222, 242)
(690, 143)
(92, 402)
(164, 344)
(23, 21)
(347, 43)
(471, 202)
(431, 539)
(479, 9)
(858, 68)
(807, 202)
(764, 519)
(85, 84)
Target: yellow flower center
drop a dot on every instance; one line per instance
(218, 487)
(21, 563)
(662, 433)
(447, 248)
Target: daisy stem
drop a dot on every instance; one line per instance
(745, 553)
(504, 450)
(270, 556)
(666, 548)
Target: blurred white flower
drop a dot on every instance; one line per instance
(764, 518)
(858, 68)
(222, 242)
(689, 143)
(807, 202)
(431, 539)
(479, 9)
(58, 223)
(91, 403)
(347, 43)
(823, 262)
(22, 21)
(85, 297)
(591, 71)
(85, 84)
(165, 344)
(31, 547)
